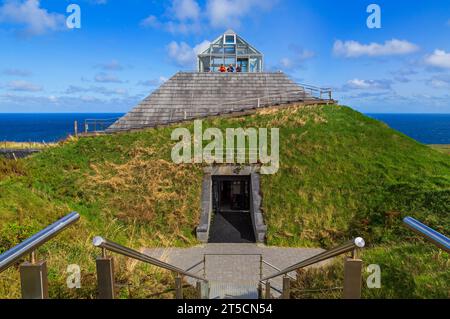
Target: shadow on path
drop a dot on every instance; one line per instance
(232, 227)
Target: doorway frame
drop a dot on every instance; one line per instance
(253, 172)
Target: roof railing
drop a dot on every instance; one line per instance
(428, 233)
(98, 125)
(105, 273)
(33, 274)
(352, 286)
(177, 115)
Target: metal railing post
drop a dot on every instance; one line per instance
(179, 287)
(260, 267)
(260, 290)
(198, 287)
(105, 277)
(352, 278)
(286, 288)
(203, 290)
(204, 266)
(267, 291)
(33, 279)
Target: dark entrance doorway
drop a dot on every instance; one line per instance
(232, 221)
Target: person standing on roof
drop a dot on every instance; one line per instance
(222, 69)
(230, 68)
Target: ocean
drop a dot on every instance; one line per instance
(44, 127)
(425, 128)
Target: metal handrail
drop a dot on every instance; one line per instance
(315, 88)
(231, 254)
(277, 269)
(28, 246)
(428, 233)
(128, 252)
(342, 249)
(195, 265)
(274, 288)
(102, 123)
(266, 97)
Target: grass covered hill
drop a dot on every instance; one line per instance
(341, 174)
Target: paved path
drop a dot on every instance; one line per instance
(238, 267)
(232, 227)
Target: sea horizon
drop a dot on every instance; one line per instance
(48, 127)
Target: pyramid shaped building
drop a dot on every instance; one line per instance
(210, 92)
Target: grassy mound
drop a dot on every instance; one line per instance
(342, 174)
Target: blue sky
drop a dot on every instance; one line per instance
(126, 49)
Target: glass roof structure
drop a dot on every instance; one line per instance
(228, 49)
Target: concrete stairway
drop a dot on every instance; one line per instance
(233, 270)
(219, 290)
(194, 95)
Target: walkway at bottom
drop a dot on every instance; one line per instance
(233, 270)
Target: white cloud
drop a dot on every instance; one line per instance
(107, 78)
(96, 89)
(439, 59)
(113, 65)
(23, 86)
(441, 81)
(174, 26)
(439, 84)
(153, 82)
(16, 72)
(151, 21)
(404, 75)
(354, 49)
(184, 55)
(358, 84)
(297, 59)
(187, 16)
(34, 19)
(229, 13)
(186, 9)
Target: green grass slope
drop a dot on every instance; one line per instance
(342, 174)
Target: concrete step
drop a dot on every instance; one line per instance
(221, 290)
